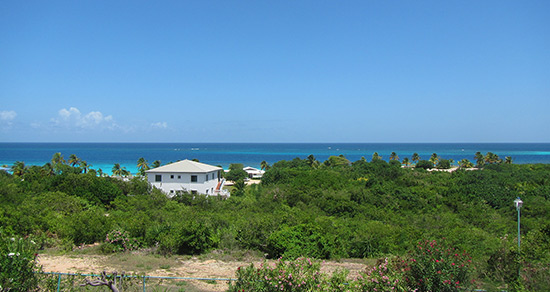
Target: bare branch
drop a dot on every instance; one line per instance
(103, 282)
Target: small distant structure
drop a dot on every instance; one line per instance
(188, 176)
(254, 173)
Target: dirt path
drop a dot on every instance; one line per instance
(192, 268)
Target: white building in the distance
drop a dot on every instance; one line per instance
(189, 176)
(254, 172)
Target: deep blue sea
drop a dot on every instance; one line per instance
(104, 155)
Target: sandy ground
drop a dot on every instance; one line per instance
(192, 268)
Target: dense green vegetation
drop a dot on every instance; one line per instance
(303, 207)
(431, 266)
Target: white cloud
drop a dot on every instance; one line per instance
(67, 114)
(159, 125)
(7, 115)
(6, 120)
(72, 117)
(96, 118)
(73, 123)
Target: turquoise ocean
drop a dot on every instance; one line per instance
(105, 155)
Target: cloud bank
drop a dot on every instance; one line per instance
(72, 117)
(72, 124)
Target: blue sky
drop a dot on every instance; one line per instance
(274, 71)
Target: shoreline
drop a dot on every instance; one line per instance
(105, 155)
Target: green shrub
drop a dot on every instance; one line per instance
(252, 231)
(300, 240)
(444, 164)
(383, 277)
(535, 276)
(436, 267)
(424, 164)
(302, 274)
(97, 190)
(236, 172)
(89, 226)
(18, 264)
(119, 241)
(190, 237)
(373, 238)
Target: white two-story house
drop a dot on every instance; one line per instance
(186, 175)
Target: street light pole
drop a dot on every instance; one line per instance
(518, 203)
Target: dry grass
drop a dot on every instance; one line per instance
(219, 264)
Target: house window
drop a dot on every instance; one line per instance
(179, 176)
(212, 176)
(207, 177)
(207, 192)
(172, 176)
(158, 177)
(193, 178)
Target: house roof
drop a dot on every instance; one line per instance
(185, 166)
(250, 169)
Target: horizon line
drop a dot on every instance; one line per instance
(197, 142)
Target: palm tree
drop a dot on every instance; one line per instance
(376, 156)
(406, 161)
(491, 158)
(124, 172)
(264, 165)
(120, 171)
(155, 164)
(311, 160)
(434, 158)
(480, 159)
(393, 156)
(57, 162)
(47, 169)
(142, 166)
(18, 168)
(117, 170)
(85, 166)
(74, 160)
(415, 157)
(57, 158)
(316, 164)
(465, 163)
(508, 160)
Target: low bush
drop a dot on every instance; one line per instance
(433, 266)
(385, 276)
(444, 164)
(119, 241)
(424, 164)
(189, 237)
(302, 274)
(300, 240)
(18, 264)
